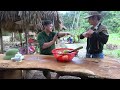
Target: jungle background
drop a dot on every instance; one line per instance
(76, 24)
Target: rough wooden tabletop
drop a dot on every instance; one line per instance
(106, 68)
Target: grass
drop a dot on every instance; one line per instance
(112, 53)
(114, 39)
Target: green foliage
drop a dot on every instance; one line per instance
(113, 39)
(118, 53)
(10, 53)
(68, 19)
(110, 18)
(112, 21)
(113, 53)
(119, 34)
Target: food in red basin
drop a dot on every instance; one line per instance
(60, 54)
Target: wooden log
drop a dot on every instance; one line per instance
(20, 35)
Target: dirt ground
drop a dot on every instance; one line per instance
(35, 74)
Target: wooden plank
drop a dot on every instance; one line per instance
(105, 68)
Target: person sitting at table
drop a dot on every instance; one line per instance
(46, 40)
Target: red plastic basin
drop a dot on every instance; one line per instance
(63, 57)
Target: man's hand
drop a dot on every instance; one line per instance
(85, 34)
(55, 38)
(90, 31)
(67, 33)
(48, 44)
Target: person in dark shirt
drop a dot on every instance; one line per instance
(97, 36)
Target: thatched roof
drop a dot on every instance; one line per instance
(8, 19)
(20, 20)
(9, 16)
(35, 18)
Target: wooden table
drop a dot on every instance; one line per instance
(106, 68)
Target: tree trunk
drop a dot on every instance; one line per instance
(78, 18)
(74, 21)
(1, 41)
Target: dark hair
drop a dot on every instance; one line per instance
(46, 22)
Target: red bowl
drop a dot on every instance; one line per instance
(60, 56)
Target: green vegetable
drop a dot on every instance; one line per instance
(10, 53)
(65, 51)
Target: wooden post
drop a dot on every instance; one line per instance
(26, 39)
(12, 38)
(20, 38)
(1, 41)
